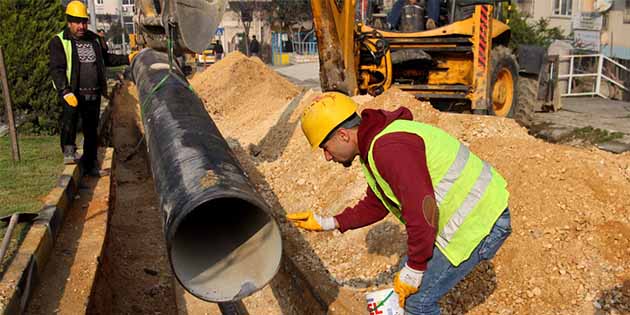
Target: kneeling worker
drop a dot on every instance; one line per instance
(453, 204)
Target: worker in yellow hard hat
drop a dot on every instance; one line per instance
(77, 67)
(453, 204)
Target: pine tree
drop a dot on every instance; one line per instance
(26, 28)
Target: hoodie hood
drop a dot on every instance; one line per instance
(374, 121)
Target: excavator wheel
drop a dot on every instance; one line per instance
(503, 92)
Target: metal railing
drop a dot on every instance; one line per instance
(582, 70)
(305, 48)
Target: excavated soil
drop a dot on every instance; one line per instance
(569, 250)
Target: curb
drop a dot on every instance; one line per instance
(29, 261)
(22, 275)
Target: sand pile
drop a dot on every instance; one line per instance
(569, 250)
(237, 86)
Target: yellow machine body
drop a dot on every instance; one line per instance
(457, 68)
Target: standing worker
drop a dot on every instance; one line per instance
(77, 67)
(254, 46)
(408, 165)
(218, 50)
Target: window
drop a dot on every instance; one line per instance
(127, 2)
(99, 2)
(626, 13)
(562, 7)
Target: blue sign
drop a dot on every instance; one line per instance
(220, 31)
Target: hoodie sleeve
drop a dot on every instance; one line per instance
(401, 161)
(367, 211)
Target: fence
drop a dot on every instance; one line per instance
(305, 48)
(599, 69)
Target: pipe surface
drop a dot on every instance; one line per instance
(222, 242)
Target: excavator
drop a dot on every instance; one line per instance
(462, 65)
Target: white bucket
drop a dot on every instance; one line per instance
(383, 302)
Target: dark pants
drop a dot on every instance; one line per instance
(432, 12)
(89, 111)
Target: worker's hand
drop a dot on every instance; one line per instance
(311, 221)
(132, 55)
(406, 282)
(71, 99)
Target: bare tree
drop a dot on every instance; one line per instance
(291, 14)
(247, 10)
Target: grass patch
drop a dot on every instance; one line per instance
(595, 135)
(24, 183)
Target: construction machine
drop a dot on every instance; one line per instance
(179, 27)
(463, 64)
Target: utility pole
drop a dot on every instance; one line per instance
(122, 24)
(15, 148)
(92, 9)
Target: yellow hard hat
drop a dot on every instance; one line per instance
(325, 114)
(77, 9)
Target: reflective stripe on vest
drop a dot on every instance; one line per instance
(67, 48)
(470, 194)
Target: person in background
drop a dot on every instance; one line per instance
(101, 34)
(218, 50)
(432, 12)
(254, 46)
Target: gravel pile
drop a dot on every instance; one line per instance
(569, 250)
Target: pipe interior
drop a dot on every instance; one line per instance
(225, 249)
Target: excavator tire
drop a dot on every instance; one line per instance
(503, 92)
(527, 96)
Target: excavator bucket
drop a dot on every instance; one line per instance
(198, 21)
(191, 24)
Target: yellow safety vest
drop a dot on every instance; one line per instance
(67, 48)
(471, 194)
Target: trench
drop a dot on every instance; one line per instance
(135, 275)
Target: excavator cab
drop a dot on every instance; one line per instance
(462, 64)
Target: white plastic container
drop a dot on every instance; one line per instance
(383, 302)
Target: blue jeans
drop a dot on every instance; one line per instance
(441, 275)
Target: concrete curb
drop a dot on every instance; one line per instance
(21, 276)
(29, 261)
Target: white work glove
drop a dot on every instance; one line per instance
(406, 282)
(311, 221)
(71, 99)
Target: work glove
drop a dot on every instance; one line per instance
(71, 99)
(311, 221)
(132, 55)
(406, 282)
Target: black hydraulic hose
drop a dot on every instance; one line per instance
(222, 242)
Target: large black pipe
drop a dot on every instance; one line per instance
(222, 242)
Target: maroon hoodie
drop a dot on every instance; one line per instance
(400, 158)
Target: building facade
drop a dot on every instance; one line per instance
(600, 26)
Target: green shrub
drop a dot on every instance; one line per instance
(527, 32)
(27, 28)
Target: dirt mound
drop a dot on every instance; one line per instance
(570, 206)
(237, 86)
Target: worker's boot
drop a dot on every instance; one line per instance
(93, 169)
(430, 24)
(70, 155)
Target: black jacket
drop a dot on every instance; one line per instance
(58, 63)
